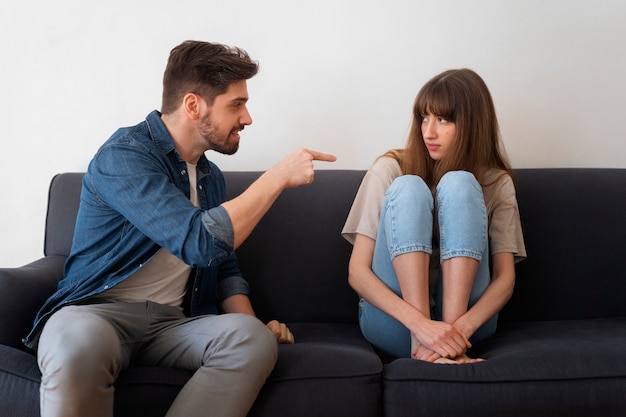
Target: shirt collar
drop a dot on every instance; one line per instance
(159, 133)
(163, 140)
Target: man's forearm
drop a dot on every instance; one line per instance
(238, 303)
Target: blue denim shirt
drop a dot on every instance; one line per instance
(135, 200)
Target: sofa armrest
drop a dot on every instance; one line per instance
(23, 291)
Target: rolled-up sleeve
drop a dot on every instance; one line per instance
(229, 286)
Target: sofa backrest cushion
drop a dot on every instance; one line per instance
(296, 260)
(574, 223)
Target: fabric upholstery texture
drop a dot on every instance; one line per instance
(575, 228)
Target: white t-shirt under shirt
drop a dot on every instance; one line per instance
(164, 278)
(505, 229)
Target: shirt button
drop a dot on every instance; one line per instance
(200, 187)
(183, 172)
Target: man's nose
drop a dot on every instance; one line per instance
(246, 119)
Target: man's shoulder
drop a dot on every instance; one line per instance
(137, 135)
(144, 139)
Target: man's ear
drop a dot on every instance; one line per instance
(191, 105)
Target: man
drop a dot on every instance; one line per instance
(152, 263)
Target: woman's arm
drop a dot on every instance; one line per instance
(494, 298)
(437, 336)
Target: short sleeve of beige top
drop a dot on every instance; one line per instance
(505, 229)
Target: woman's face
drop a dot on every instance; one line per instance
(439, 135)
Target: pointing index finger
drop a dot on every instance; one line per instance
(320, 156)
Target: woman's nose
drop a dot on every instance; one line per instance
(428, 129)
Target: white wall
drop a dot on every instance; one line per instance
(336, 76)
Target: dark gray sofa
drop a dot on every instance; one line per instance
(559, 351)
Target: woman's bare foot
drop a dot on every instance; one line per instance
(446, 361)
(422, 353)
(462, 359)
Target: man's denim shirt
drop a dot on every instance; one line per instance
(135, 200)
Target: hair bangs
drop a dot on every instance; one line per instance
(437, 98)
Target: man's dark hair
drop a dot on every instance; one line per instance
(203, 68)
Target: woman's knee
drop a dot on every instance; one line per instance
(409, 193)
(459, 183)
(460, 193)
(410, 185)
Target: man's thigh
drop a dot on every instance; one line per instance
(189, 342)
(93, 331)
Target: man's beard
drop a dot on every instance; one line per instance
(215, 139)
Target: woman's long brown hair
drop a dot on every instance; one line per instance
(460, 96)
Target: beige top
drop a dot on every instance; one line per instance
(505, 229)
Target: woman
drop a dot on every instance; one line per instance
(436, 229)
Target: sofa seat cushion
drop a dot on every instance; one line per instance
(331, 371)
(19, 379)
(552, 368)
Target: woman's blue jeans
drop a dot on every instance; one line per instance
(406, 225)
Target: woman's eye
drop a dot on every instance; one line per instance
(443, 120)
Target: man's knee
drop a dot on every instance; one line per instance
(259, 336)
(78, 345)
(251, 342)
